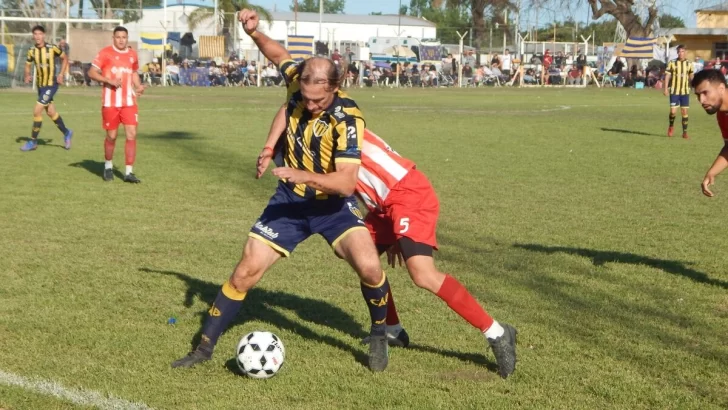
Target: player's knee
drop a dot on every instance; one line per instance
(371, 274)
(243, 275)
(426, 277)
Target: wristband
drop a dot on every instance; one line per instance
(269, 149)
(253, 34)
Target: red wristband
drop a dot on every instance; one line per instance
(268, 148)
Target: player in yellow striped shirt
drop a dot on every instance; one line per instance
(51, 65)
(678, 75)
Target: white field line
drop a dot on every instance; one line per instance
(75, 396)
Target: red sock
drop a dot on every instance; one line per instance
(130, 150)
(463, 303)
(392, 318)
(109, 145)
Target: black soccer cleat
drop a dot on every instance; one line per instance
(193, 358)
(400, 340)
(504, 349)
(131, 178)
(108, 174)
(378, 350)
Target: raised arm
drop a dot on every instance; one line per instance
(270, 48)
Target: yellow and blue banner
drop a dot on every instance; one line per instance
(7, 58)
(151, 41)
(639, 47)
(300, 47)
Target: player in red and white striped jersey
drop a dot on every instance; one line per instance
(402, 219)
(116, 68)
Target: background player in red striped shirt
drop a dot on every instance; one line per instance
(116, 68)
(710, 88)
(402, 219)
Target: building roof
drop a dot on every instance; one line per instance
(386, 19)
(722, 6)
(666, 32)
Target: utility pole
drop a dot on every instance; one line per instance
(321, 17)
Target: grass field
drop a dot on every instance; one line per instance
(567, 213)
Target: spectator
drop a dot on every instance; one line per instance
(698, 65)
(215, 74)
(415, 76)
(467, 72)
(506, 63)
(63, 45)
(574, 76)
(271, 76)
(173, 72)
(336, 56)
(615, 73)
(469, 58)
(495, 60)
(350, 56)
(253, 73)
(529, 77)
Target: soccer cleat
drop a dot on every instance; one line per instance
(686, 136)
(378, 350)
(108, 174)
(193, 358)
(67, 139)
(30, 145)
(131, 178)
(670, 131)
(504, 349)
(399, 339)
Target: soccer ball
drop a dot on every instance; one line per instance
(260, 355)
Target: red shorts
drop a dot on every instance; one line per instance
(410, 210)
(111, 117)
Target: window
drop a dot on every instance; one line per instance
(721, 50)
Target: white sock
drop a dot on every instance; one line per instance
(494, 331)
(128, 169)
(108, 165)
(393, 330)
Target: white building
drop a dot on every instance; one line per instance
(336, 30)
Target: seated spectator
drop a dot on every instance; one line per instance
(574, 76)
(253, 73)
(173, 72)
(467, 72)
(496, 72)
(271, 76)
(615, 73)
(529, 77)
(479, 75)
(215, 74)
(555, 74)
(353, 72)
(415, 76)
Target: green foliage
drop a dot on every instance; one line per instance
(670, 21)
(226, 10)
(312, 6)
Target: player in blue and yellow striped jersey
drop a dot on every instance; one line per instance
(51, 65)
(321, 157)
(678, 76)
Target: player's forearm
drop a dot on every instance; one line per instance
(667, 82)
(96, 76)
(276, 127)
(333, 183)
(64, 66)
(270, 48)
(136, 80)
(27, 70)
(720, 163)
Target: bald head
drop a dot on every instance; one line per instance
(320, 70)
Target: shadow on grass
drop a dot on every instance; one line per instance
(601, 257)
(261, 304)
(623, 131)
(172, 135)
(41, 141)
(95, 167)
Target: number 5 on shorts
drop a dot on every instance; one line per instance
(404, 224)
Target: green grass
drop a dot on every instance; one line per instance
(565, 212)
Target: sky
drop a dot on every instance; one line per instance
(681, 8)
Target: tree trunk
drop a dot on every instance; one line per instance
(478, 29)
(631, 23)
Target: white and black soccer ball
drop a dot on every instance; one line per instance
(260, 354)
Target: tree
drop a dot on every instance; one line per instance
(623, 12)
(312, 6)
(226, 13)
(478, 9)
(670, 21)
(127, 10)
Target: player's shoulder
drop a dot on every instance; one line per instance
(344, 108)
